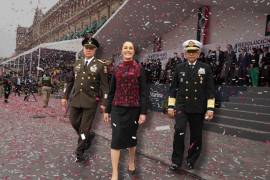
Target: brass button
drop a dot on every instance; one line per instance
(195, 82)
(186, 97)
(81, 84)
(83, 72)
(195, 90)
(88, 77)
(186, 89)
(82, 78)
(195, 99)
(81, 90)
(186, 82)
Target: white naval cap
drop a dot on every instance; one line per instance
(192, 45)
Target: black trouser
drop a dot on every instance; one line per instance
(195, 124)
(18, 90)
(7, 93)
(81, 120)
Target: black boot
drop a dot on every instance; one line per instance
(89, 140)
(174, 167)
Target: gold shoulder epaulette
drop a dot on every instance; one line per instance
(171, 101)
(211, 103)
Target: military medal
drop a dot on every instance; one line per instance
(201, 79)
(181, 80)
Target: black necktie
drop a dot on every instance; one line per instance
(85, 64)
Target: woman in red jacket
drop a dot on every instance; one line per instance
(127, 107)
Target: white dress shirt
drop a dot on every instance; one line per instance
(87, 61)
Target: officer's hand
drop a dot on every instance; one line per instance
(142, 119)
(209, 115)
(64, 103)
(102, 108)
(106, 118)
(171, 112)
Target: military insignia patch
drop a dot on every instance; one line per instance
(181, 80)
(93, 68)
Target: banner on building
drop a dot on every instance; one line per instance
(203, 24)
(267, 28)
(260, 43)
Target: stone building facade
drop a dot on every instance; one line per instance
(67, 19)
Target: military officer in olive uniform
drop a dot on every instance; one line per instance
(46, 88)
(191, 100)
(87, 86)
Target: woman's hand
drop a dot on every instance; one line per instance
(142, 119)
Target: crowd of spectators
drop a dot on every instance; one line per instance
(248, 67)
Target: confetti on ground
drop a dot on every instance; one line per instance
(36, 144)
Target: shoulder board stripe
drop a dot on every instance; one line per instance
(101, 61)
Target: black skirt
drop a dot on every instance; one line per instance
(124, 121)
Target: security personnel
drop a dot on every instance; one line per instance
(1, 86)
(46, 89)
(88, 84)
(7, 88)
(191, 99)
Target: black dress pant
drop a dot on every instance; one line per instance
(81, 120)
(195, 124)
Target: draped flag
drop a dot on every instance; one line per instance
(203, 24)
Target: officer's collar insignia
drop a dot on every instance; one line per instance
(201, 71)
(93, 68)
